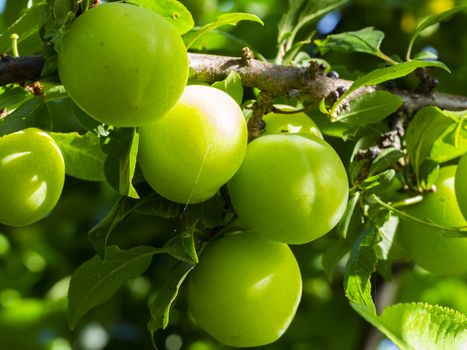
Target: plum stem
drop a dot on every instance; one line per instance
(263, 105)
(14, 44)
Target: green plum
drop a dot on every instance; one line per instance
(189, 153)
(292, 188)
(427, 246)
(245, 290)
(279, 123)
(122, 64)
(32, 174)
(460, 184)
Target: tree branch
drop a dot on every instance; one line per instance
(20, 69)
(307, 84)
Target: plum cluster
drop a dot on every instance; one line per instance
(128, 67)
(287, 187)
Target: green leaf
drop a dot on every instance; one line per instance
(381, 75)
(84, 158)
(434, 19)
(97, 280)
(161, 304)
(366, 40)
(32, 113)
(215, 40)
(120, 164)
(370, 108)
(85, 5)
(453, 142)
(210, 212)
(386, 160)
(60, 8)
(12, 96)
(182, 246)
(332, 256)
(232, 85)
(155, 205)
(437, 136)
(425, 326)
(420, 326)
(99, 234)
(335, 128)
(426, 55)
(86, 122)
(379, 182)
(300, 14)
(288, 20)
(361, 264)
(152, 204)
(172, 10)
(225, 19)
(427, 173)
(55, 22)
(315, 9)
(56, 19)
(344, 223)
(25, 26)
(297, 57)
(387, 233)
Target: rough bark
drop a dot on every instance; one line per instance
(307, 84)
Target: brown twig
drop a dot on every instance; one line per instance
(20, 69)
(307, 84)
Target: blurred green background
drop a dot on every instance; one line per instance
(36, 261)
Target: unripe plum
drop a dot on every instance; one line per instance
(280, 123)
(245, 290)
(427, 246)
(290, 188)
(32, 173)
(123, 64)
(189, 153)
(460, 184)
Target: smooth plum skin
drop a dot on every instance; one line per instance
(189, 153)
(280, 123)
(245, 290)
(122, 64)
(426, 245)
(290, 188)
(32, 173)
(460, 184)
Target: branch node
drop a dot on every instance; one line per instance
(5, 58)
(333, 75)
(263, 105)
(314, 70)
(341, 90)
(427, 83)
(34, 88)
(247, 56)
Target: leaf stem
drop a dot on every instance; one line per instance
(452, 232)
(386, 58)
(408, 201)
(409, 49)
